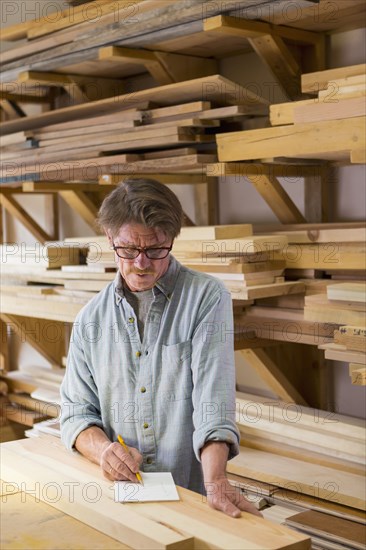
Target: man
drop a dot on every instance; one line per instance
(151, 358)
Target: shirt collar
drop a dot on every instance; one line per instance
(165, 284)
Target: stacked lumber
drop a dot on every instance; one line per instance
(320, 437)
(330, 127)
(327, 532)
(33, 394)
(243, 261)
(325, 483)
(51, 255)
(188, 523)
(110, 136)
(345, 302)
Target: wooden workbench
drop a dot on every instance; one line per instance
(73, 485)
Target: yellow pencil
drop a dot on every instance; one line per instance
(120, 440)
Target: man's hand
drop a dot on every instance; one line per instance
(220, 494)
(118, 464)
(228, 499)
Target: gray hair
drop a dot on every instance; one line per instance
(144, 201)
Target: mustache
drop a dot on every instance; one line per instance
(142, 272)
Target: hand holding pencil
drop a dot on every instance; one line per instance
(120, 439)
(121, 463)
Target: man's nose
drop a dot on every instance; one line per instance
(142, 261)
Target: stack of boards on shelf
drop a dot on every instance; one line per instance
(345, 305)
(331, 126)
(108, 135)
(244, 262)
(327, 532)
(33, 394)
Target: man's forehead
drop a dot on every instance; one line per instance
(131, 232)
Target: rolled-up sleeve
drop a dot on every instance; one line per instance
(213, 371)
(80, 407)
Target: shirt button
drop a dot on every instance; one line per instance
(149, 461)
(146, 353)
(138, 353)
(145, 425)
(143, 389)
(131, 320)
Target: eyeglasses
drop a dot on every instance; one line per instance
(132, 252)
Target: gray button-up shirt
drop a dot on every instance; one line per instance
(166, 395)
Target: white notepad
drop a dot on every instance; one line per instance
(157, 486)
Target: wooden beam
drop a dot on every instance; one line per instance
(81, 203)
(12, 110)
(144, 57)
(171, 179)
(55, 187)
(273, 51)
(46, 337)
(81, 88)
(24, 98)
(316, 196)
(14, 209)
(277, 199)
(268, 41)
(272, 376)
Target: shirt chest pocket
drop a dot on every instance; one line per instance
(176, 375)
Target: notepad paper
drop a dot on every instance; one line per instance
(157, 486)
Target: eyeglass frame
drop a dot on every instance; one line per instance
(143, 249)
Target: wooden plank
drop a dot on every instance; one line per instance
(306, 478)
(283, 113)
(313, 82)
(346, 108)
(215, 88)
(232, 247)
(349, 292)
(83, 14)
(303, 140)
(272, 376)
(337, 530)
(264, 290)
(215, 232)
(358, 376)
(358, 156)
(336, 352)
(277, 199)
(323, 256)
(20, 30)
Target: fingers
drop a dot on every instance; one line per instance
(247, 506)
(118, 464)
(226, 506)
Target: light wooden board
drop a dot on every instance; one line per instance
(59, 530)
(313, 82)
(346, 108)
(305, 140)
(325, 483)
(142, 526)
(349, 292)
(265, 290)
(215, 232)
